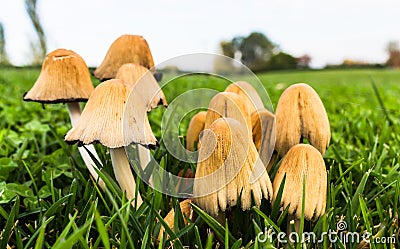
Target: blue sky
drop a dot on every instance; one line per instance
(328, 30)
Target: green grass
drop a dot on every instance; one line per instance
(47, 198)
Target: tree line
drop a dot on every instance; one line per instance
(259, 53)
(255, 50)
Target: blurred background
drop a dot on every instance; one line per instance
(264, 35)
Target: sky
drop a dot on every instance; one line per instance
(328, 30)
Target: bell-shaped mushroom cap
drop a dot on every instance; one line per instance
(229, 167)
(301, 114)
(187, 213)
(64, 78)
(196, 126)
(301, 161)
(264, 135)
(148, 88)
(125, 49)
(229, 105)
(245, 89)
(108, 120)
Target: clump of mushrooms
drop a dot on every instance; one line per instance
(228, 164)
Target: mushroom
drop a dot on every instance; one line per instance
(65, 78)
(149, 89)
(187, 213)
(245, 89)
(125, 49)
(143, 84)
(229, 105)
(108, 120)
(194, 129)
(229, 167)
(302, 161)
(301, 114)
(264, 136)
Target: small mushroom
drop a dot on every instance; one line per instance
(264, 135)
(301, 114)
(65, 78)
(228, 168)
(125, 49)
(196, 126)
(302, 161)
(187, 213)
(108, 120)
(245, 89)
(229, 105)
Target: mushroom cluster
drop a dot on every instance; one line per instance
(230, 169)
(107, 119)
(237, 138)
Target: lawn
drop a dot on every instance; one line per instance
(47, 198)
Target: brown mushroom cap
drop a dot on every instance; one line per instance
(64, 78)
(187, 213)
(229, 167)
(229, 105)
(142, 81)
(301, 113)
(248, 91)
(196, 126)
(303, 160)
(264, 135)
(125, 49)
(106, 120)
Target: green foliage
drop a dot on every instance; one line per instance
(48, 200)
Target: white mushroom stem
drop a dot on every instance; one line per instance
(144, 157)
(123, 173)
(74, 110)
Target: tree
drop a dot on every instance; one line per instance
(227, 49)
(39, 52)
(254, 51)
(303, 62)
(282, 61)
(394, 55)
(3, 54)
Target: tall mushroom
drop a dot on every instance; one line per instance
(108, 120)
(302, 162)
(228, 168)
(301, 114)
(143, 84)
(65, 78)
(125, 49)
